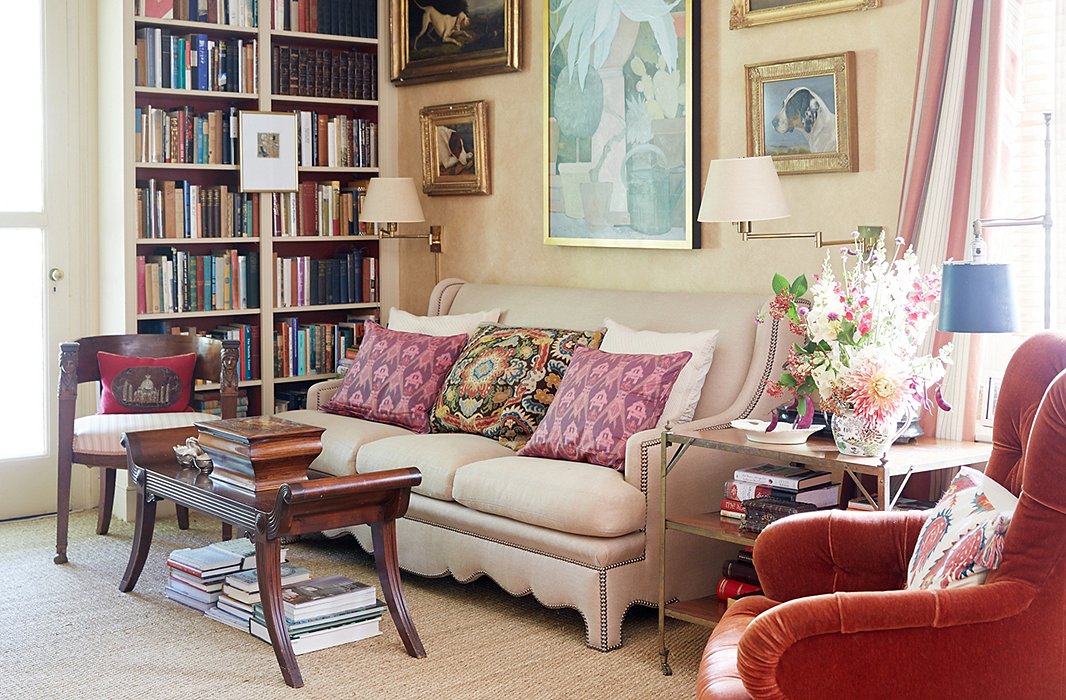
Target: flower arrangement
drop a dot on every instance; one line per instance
(862, 333)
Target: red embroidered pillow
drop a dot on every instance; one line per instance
(396, 377)
(145, 384)
(603, 399)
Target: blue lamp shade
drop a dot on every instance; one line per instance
(977, 298)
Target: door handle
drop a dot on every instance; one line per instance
(55, 274)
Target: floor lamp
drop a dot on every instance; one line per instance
(390, 201)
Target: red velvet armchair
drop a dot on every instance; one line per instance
(836, 622)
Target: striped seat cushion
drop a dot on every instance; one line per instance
(102, 434)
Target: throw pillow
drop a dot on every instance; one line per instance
(504, 381)
(681, 406)
(145, 384)
(396, 377)
(605, 398)
(962, 540)
(400, 320)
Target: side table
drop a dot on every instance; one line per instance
(290, 509)
(924, 455)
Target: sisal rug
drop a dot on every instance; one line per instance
(69, 633)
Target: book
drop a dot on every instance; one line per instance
(738, 570)
(234, 607)
(227, 618)
(327, 594)
(244, 549)
(205, 562)
(902, 503)
(324, 621)
(209, 585)
(244, 586)
(185, 600)
(323, 639)
(732, 507)
(775, 506)
(796, 478)
(821, 496)
(728, 588)
(191, 591)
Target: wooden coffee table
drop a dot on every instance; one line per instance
(266, 516)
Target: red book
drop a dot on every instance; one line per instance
(732, 505)
(728, 588)
(142, 303)
(744, 490)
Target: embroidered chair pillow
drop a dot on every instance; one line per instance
(605, 398)
(396, 377)
(145, 384)
(962, 540)
(400, 320)
(504, 381)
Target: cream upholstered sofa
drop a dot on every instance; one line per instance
(572, 534)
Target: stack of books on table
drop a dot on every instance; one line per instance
(240, 593)
(902, 503)
(787, 483)
(196, 575)
(738, 577)
(324, 612)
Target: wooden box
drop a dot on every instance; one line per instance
(260, 453)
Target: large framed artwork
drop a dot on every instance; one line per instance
(621, 163)
(802, 112)
(448, 39)
(749, 13)
(455, 149)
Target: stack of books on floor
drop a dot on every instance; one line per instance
(738, 578)
(240, 593)
(324, 612)
(797, 485)
(196, 575)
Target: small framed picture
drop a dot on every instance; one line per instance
(749, 13)
(802, 113)
(268, 151)
(455, 149)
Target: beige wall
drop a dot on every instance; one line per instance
(498, 238)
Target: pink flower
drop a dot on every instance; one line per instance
(878, 388)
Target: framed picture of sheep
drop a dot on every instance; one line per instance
(622, 123)
(448, 39)
(802, 113)
(455, 149)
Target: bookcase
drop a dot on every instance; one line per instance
(290, 275)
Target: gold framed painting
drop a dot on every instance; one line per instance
(455, 149)
(621, 132)
(802, 113)
(449, 39)
(749, 13)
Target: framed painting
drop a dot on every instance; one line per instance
(621, 135)
(267, 151)
(455, 149)
(448, 39)
(802, 113)
(749, 13)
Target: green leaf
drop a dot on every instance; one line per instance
(799, 287)
(808, 386)
(792, 315)
(787, 380)
(780, 283)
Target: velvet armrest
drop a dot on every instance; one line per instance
(829, 551)
(779, 652)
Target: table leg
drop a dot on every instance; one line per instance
(268, 564)
(387, 564)
(142, 540)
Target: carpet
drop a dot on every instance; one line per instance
(69, 633)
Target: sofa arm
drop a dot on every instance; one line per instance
(829, 551)
(320, 393)
(872, 637)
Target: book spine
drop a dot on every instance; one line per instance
(732, 505)
(781, 482)
(728, 588)
(740, 571)
(743, 490)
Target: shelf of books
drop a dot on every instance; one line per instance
(291, 275)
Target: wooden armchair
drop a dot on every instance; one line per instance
(95, 440)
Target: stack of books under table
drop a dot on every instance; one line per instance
(323, 612)
(739, 578)
(196, 575)
(796, 488)
(240, 593)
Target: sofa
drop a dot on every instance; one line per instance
(571, 534)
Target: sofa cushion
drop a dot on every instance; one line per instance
(343, 439)
(504, 380)
(604, 398)
(400, 320)
(145, 384)
(101, 434)
(437, 456)
(583, 499)
(681, 406)
(396, 377)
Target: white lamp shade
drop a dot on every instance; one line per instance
(391, 200)
(742, 189)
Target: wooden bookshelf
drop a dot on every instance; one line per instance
(126, 166)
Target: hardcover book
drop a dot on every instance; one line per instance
(782, 476)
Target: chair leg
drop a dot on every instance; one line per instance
(227, 531)
(62, 506)
(183, 517)
(107, 500)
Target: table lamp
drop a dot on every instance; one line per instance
(390, 201)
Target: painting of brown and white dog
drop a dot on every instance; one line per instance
(804, 111)
(452, 156)
(451, 28)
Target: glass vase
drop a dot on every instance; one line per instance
(857, 436)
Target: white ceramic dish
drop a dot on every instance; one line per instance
(783, 434)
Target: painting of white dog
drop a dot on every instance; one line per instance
(799, 116)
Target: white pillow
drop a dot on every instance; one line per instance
(962, 540)
(440, 325)
(681, 406)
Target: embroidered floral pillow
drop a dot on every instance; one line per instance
(505, 379)
(396, 377)
(605, 398)
(145, 384)
(962, 541)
